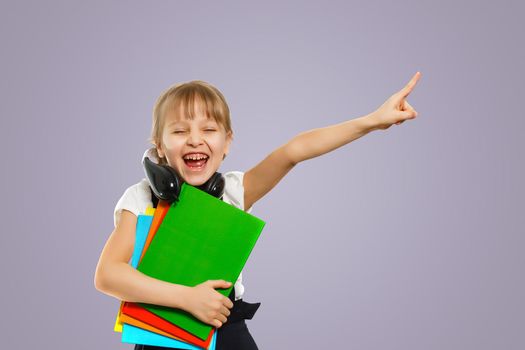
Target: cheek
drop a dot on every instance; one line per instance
(172, 151)
(218, 142)
(171, 144)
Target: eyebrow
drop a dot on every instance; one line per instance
(175, 122)
(209, 120)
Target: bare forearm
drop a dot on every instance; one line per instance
(126, 283)
(316, 142)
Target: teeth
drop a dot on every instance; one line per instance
(195, 156)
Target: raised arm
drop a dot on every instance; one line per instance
(264, 176)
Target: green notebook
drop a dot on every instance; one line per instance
(201, 238)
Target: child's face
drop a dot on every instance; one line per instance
(201, 137)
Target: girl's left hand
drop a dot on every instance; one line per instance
(396, 109)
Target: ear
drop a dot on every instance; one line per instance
(160, 152)
(229, 139)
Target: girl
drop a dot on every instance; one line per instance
(192, 133)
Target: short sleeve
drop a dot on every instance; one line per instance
(136, 199)
(234, 189)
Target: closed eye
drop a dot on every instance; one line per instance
(183, 131)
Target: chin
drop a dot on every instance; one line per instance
(197, 180)
(195, 183)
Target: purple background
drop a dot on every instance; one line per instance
(409, 238)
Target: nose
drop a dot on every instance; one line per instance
(194, 138)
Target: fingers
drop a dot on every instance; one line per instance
(219, 284)
(221, 317)
(406, 116)
(404, 92)
(227, 302)
(225, 311)
(210, 305)
(219, 321)
(408, 113)
(411, 109)
(222, 284)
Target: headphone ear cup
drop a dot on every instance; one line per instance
(214, 186)
(163, 179)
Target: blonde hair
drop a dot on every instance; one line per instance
(182, 97)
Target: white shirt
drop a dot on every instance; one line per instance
(137, 198)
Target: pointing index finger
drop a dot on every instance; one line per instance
(410, 86)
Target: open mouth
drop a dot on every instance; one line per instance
(195, 161)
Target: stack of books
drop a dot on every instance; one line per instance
(195, 239)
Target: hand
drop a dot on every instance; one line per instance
(208, 305)
(396, 109)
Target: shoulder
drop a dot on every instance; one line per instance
(234, 189)
(135, 199)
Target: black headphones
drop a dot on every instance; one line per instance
(166, 183)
